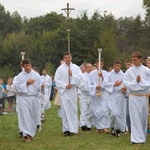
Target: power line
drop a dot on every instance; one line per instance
(94, 6)
(28, 4)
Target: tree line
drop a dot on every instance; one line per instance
(44, 38)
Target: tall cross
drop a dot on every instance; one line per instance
(68, 10)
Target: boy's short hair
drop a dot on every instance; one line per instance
(97, 60)
(117, 61)
(128, 60)
(65, 53)
(137, 54)
(26, 61)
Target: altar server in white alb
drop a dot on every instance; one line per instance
(47, 81)
(85, 100)
(28, 85)
(137, 81)
(99, 105)
(67, 78)
(113, 83)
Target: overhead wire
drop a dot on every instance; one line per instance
(37, 6)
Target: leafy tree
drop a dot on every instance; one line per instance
(146, 4)
(41, 46)
(9, 23)
(14, 24)
(4, 19)
(146, 39)
(50, 68)
(49, 22)
(6, 72)
(108, 43)
(45, 38)
(13, 44)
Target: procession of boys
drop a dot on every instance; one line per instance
(112, 102)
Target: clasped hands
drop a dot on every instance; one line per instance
(118, 83)
(30, 81)
(138, 78)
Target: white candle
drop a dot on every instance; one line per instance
(99, 66)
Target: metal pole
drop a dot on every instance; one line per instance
(99, 69)
(68, 11)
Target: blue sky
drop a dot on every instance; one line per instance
(34, 8)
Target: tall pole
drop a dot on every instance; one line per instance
(99, 69)
(68, 11)
(99, 57)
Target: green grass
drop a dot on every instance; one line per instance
(51, 137)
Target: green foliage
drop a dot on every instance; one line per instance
(9, 23)
(5, 17)
(46, 37)
(41, 46)
(6, 72)
(50, 68)
(108, 43)
(49, 22)
(13, 44)
(146, 4)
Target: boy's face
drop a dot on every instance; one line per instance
(117, 67)
(97, 64)
(9, 81)
(44, 72)
(88, 68)
(67, 59)
(27, 67)
(128, 65)
(136, 61)
(148, 64)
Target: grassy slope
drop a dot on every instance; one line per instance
(51, 137)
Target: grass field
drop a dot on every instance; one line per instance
(51, 137)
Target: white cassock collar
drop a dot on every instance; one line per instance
(67, 65)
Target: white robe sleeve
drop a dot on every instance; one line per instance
(48, 83)
(76, 77)
(61, 86)
(92, 86)
(83, 86)
(133, 85)
(20, 87)
(107, 84)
